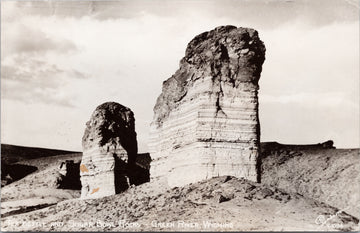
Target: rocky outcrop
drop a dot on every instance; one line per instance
(269, 147)
(109, 151)
(206, 120)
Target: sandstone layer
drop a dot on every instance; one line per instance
(109, 151)
(206, 120)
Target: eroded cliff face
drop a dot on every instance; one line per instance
(109, 151)
(206, 120)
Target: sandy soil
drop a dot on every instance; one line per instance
(223, 203)
(328, 175)
(294, 196)
(38, 189)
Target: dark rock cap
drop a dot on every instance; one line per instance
(111, 123)
(227, 54)
(222, 45)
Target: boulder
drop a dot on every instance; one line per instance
(206, 121)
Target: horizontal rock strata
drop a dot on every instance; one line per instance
(206, 119)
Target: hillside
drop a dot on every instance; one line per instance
(37, 189)
(303, 188)
(11, 153)
(15, 161)
(223, 203)
(328, 175)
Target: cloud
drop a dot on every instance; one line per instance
(19, 39)
(27, 72)
(92, 52)
(33, 72)
(101, 10)
(266, 13)
(30, 81)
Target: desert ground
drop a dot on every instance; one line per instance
(302, 189)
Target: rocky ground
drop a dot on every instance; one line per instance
(223, 203)
(37, 190)
(328, 175)
(280, 203)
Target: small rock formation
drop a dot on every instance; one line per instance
(206, 120)
(69, 175)
(327, 145)
(274, 147)
(141, 171)
(109, 151)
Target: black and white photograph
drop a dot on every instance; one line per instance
(180, 115)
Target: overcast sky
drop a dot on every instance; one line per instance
(59, 60)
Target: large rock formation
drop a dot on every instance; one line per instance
(109, 151)
(206, 120)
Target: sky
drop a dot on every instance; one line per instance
(61, 59)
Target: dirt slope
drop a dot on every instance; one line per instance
(223, 203)
(14, 159)
(303, 189)
(331, 176)
(38, 189)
